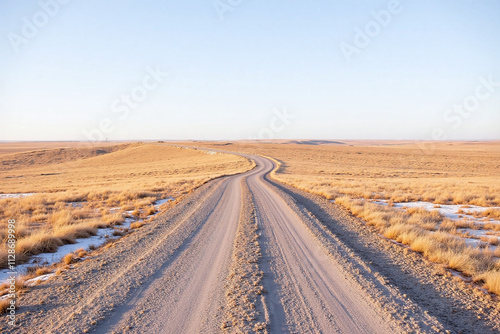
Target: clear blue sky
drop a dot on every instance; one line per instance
(225, 77)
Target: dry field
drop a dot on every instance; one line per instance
(459, 173)
(356, 173)
(75, 187)
(202, 259)
(7, 148)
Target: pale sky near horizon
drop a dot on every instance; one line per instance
(82, 70)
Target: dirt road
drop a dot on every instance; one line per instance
(192, 285)
(309, 293)
(170, 275)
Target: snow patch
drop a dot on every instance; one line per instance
(20, 195)
(103, 234)
(37, 280)
(470, 236)
(46, 259)
(162, 201)
(448, 210)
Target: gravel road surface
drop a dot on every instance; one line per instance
(170, 276)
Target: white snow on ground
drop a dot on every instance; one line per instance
(49, 258)
(478, 243)
(448, 210)
(161, 201)
(36, 280)
(2, 196)
(156, 204)
(473, 233)
(471, 236)
(103, 234)
(209, 152)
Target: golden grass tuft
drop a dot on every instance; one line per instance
(492, 240)
(37, 271)
(492, 227)
(113, 218)
(492, 281)
(149, 211)
(20, 286)
(491, 213)
(4, 304)
(60, 218)
(138, 224)
(81, 252)
(38, 243)
(69, 258)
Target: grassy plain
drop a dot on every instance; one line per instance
(353, 172)
(77, 186)
(456, 172)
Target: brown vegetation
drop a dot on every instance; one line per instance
(133, 168)
(77, 187)
(436, 244)
(4, 303)
(450, 173)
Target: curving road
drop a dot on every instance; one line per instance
(308, 292)
(169, 277)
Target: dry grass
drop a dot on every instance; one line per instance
(128, 176)
(25, 147)
(131, 168)
(492, 281)
(452, 173)
(42, 271)
(410, 228)
(59, 156)
(489, 213)
(492, 227)
(137, 224)
(3, 305)
(492, 240)
(458, 173)
(81, 252)
(18, 284)
(69, 258)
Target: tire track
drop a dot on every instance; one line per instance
(315, 294)
(205, 247)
